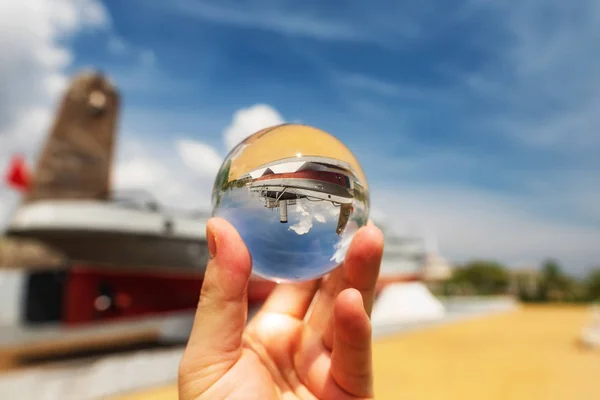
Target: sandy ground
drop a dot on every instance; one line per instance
(531, 353)
(528, 354)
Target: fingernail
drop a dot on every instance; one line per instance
(212, 242)
(358, 297)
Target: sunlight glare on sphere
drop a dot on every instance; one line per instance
(296, 195)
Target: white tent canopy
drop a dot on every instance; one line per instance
(402, 303)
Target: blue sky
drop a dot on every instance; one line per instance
(475, 120)
(390, 91)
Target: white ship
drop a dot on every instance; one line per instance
(68, 203)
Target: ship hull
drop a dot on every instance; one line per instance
(117, 249)
(83, 295)
(114, 236)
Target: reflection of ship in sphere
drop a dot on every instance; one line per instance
(296, 195)
(307, 178)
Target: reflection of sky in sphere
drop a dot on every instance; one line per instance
(305, 247)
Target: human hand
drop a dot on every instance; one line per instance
(291, 349)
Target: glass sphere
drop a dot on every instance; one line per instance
(296, 196)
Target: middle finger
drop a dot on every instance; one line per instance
(360, 271)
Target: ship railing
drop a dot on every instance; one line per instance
(144, 200)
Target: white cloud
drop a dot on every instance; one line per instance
(201, 161)
(312, 212)
(182, 175)
(341, 248)
(468, 223)
(304, 221)
(200, 157)
(162, 174)
(139, 173)
(34, 56)
(246, 121)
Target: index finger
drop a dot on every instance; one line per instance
(216, 335)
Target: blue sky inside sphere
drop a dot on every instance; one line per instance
(303, 248)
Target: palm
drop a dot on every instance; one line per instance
(289, 352)
(266, 366)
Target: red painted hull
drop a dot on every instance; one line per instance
(138, 294)
(135, 294)
(324, 176)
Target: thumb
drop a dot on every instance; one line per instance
(216, 337)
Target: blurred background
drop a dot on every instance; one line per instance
(475, 123)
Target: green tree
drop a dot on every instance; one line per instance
(592, 283)
(481, 277)
(555, 284)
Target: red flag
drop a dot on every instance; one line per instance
(17, 176)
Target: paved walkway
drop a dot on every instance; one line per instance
(99, 377)
(530, 353)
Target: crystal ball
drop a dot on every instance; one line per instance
(296, 195)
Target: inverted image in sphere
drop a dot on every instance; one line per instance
(296, 195)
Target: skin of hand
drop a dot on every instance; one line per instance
(309, 340)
